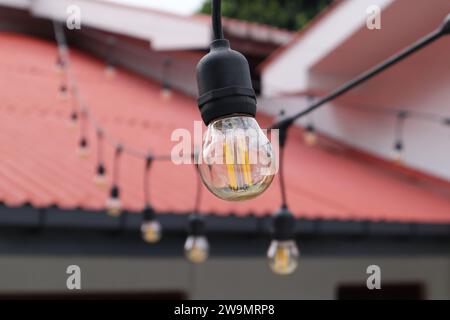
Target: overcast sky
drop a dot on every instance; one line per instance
(176, 6)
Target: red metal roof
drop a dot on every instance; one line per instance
(39, 165)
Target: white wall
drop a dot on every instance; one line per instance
(237, 278)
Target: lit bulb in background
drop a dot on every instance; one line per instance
(283, 257)
(166, 92)
(310, 135)
(110, 71)
(150, 227)
(283, 252)
(59, 65)
(196, 247)
(113, 204)
(100, 177)
(238, 162)
(73, 120)
(397, 155)
(83, 150)
(62, 92)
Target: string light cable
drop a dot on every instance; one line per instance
(443, 30)
(150, 228)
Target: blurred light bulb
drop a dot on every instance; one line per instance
(100, 177)
(59, 65)
(63, 92)
(397, 155)
(113, 204)
(237, 162)
(73, 120)
(283, 256)
(166, 93)
(110, 71)
(114, 207)
(150, 228)
(310, 136)
(196, 249)
(83, 150)
(100, 181)
(151, 231)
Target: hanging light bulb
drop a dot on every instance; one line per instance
(110, 71)
(237, 160)
(166, 92)
(310, 136)
(166, 89)
(73, 120)
(196, 247)
(398, 152)
(83, 150)
(60, 64)
(150, 228)
(283, 252)
(113, 204)
(100, 177)
(63, 94)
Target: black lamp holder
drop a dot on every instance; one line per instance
(223, 76)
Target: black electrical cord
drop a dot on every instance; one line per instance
(399, 126)
(282, 182)
(425, 41)
(148, 164)
(116, 164)
(217, 19)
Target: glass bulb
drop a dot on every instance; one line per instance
(83, 152)
(151, 231)
(114, 206)
(196, 249)
(237, 162)
(72, 123)
(283, 256)
(63, 95)
(310, 138)
(110, 71)
(100, 181)
(166, 94)
(397, 156)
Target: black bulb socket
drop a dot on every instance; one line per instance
(283, 225)
(399, 146)
(101, 169)
(83, 143)
(196, 226)
(148, 214)
(115, 192)
(224, 83)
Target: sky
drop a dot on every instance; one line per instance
(176, 6)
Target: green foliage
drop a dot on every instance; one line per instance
(288, 14)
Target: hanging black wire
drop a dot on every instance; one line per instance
(83, 143)
(399, 130)
(217, 19)
(425, 41)
(116, 164)
(148, 164)
(283, 137)
(167, 63)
